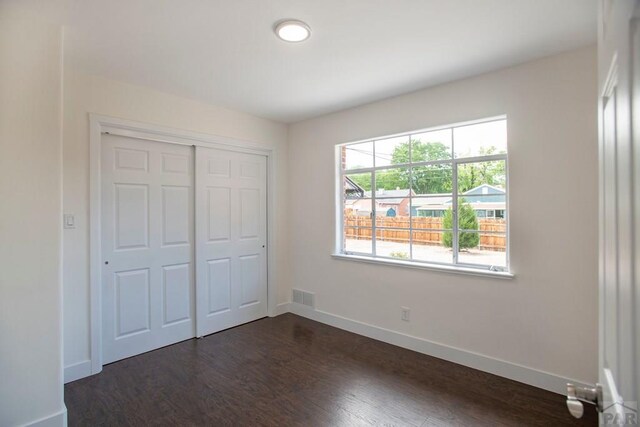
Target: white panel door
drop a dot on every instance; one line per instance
(147, 245)
(231, 234)
(619, 336)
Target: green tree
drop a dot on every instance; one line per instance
(424, 179)
(468, 221)
(363, 180)
(420, 152)
(392, 179)
(471, 175)
(434, 179)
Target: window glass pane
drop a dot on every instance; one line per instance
(432, 179)
(429, 229)
(358, 240)
(482, 178)
(430, 207)
(393, 244)
(483, 249)
(392, 183)
(357, 208)
(492, 205)
(482, 213)
(392, 215)
(481, 139)
(429, 146)
(357, 185)
(392, 151)
(428, 247)
(467, 216)
(357, 156)
(493, 226)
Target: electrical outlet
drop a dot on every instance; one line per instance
(405, 313)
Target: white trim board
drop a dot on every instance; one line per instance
(502, 368)
(77, 371)
(281, 308)
(58, 419)
(100, 124)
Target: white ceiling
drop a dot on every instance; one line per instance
(224, 52)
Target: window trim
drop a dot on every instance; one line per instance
(447, 268)
(455, 265)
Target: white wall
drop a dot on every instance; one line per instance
(30, 220)
(546, 317)
(90, 94)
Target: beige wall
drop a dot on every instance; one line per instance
(546, 317)
(30, 220)
(541, 319)
(89, 94)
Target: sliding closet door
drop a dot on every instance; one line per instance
(231, 234)
(147, 245)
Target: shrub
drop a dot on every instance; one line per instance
(468, 221)
(399, 254)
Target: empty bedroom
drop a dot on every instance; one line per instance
(319, 213)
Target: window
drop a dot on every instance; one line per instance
(433, 197)
(429, 212)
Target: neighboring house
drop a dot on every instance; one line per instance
(488, 202)
(352, 190)
(392, 202)
(432, 206)
(388, 203)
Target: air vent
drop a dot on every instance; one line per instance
(297, 296)
(304, 298)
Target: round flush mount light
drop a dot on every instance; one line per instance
(292, 31)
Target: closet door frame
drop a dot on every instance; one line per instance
(100, 125)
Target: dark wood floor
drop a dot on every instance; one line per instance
(289, 370)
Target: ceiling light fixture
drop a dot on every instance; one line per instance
(293, 31)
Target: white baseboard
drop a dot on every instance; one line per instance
(502, 368)
(83, 369)
(58, 419)
(77, 371)
(280, 309)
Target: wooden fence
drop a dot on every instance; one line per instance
(426, 230)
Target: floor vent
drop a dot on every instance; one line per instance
(304, 298)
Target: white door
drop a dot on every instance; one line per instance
(147, 245)
(619, 60)
(231, 238)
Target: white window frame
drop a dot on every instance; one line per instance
(455, 265)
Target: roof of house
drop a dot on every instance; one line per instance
(484, 193)
(432, 200)
(352, 190)
(397, 193)
(390, 201)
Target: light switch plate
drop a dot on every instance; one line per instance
(69, 221)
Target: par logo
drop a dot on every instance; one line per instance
(619, 414)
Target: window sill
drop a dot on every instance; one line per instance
(425, 266)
